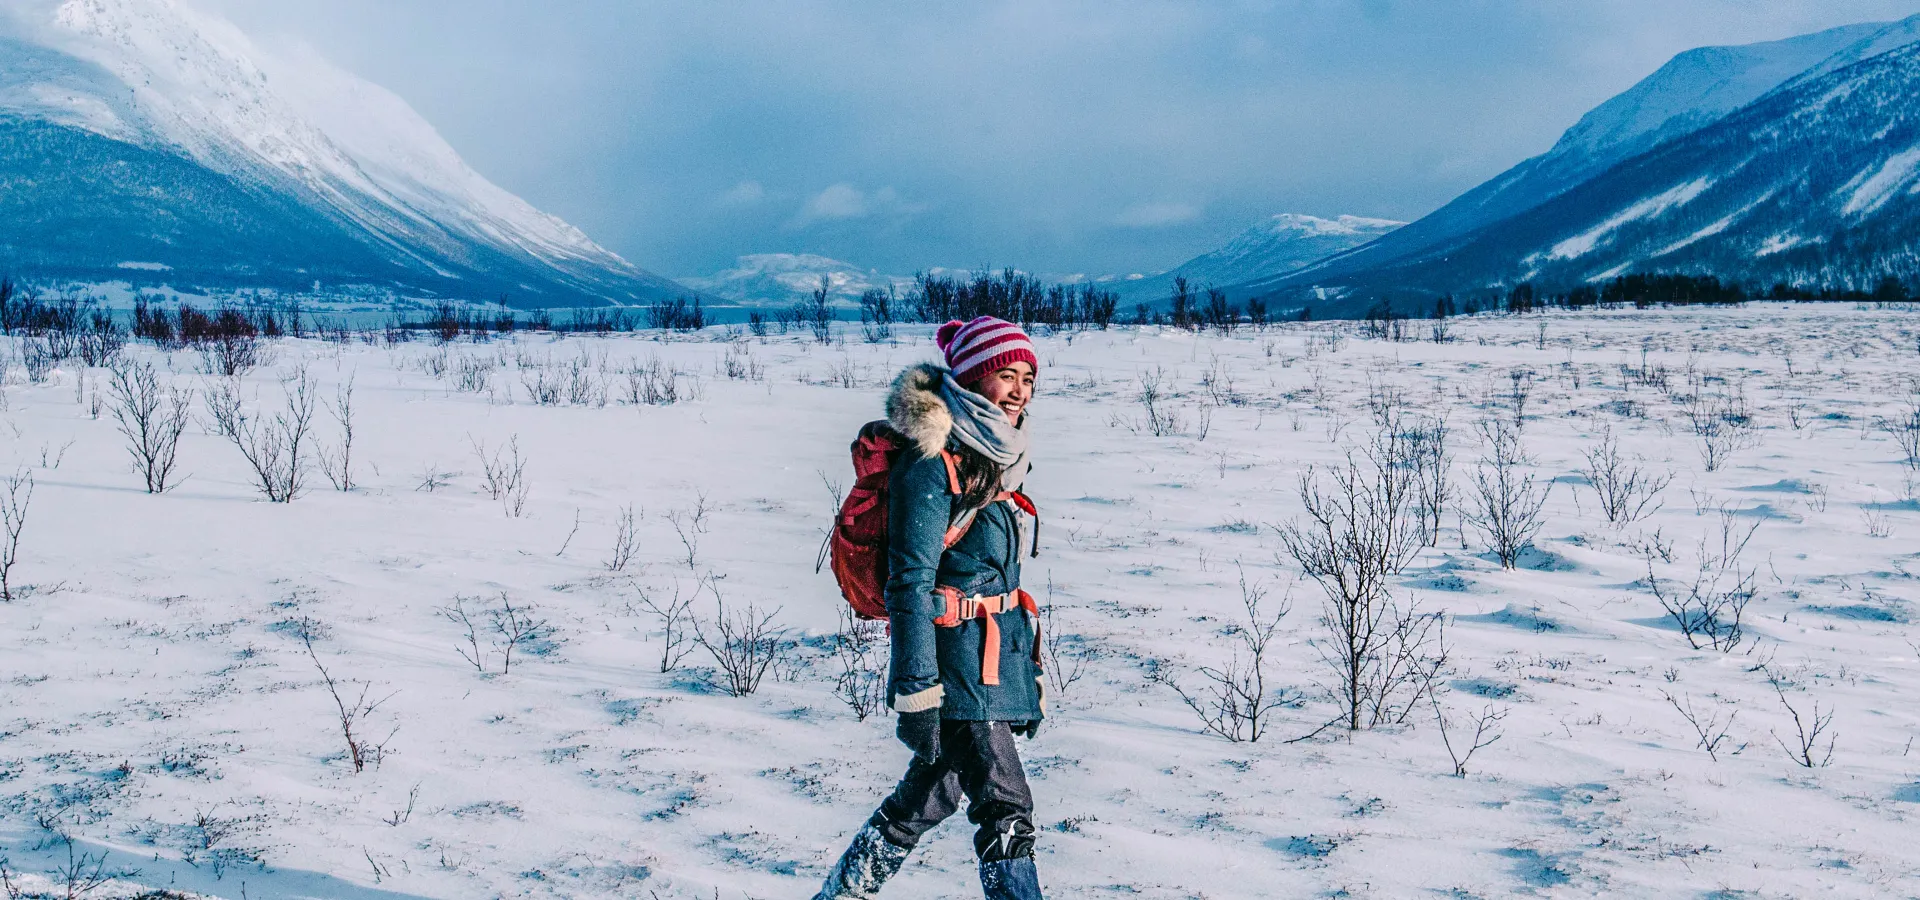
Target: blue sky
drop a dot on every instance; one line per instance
(1054, 135)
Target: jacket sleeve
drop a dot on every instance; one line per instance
(917, 513)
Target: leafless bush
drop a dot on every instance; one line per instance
(473, 374)
(654, 383)
(1709, 609)
(1235, 701)
(1486, 732)
(338, 465)
(1425, 450)
(1627, 492)
(361, 751)
(16, 494)
(506, 627)
(1507, 503)
(151, 417)
(743, 641)
(232, 352)
(860, 647)
(1808, 730)
(76, 879)
(276, 448)
(1161, 420)
(38, 357)
(504, 473)
(675, 617)
(584, 387)
(1904, 427)
(1519, 392)
(544, 386)
(626, 540)
(739, 363)
(1710, 725)
(690, 524)
(1724, 424)
(1066, 659)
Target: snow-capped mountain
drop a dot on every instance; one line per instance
(781, 278)
(1693, 90)
(1271, 247)
(1816, 183)
(226, 164)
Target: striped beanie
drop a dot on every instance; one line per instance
(983, 346)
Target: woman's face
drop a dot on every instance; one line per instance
(1009, 388)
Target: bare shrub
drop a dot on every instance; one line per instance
(1627, 492)
(626, 540)
(232, 351)
(1161, 421)
(544, 386)
(1904, 427)
(16, 495)
(861, 649)
(1507, 502)
(743, 640)
(654, 383)
(151, 417)
(1709, 725)
(1709, 608)
(1808, 730)
(1235, 700)
(1357, 533)
(473, 374)
(276, 448)
(739, 363)
(1486, 732)
(690, 524)
(507, 628)
(1724, 424)
(1066, 657)
(338, 464)
(39, 358)
(504, 473)
(361, 751)
(675, 617)
(1425, 450)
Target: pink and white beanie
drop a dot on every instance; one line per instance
(983, 346)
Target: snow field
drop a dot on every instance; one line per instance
(159, 705)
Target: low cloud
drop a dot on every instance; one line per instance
(843, 202)
(744, 194)
(1157, 215)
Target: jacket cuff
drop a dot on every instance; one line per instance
(930, 698)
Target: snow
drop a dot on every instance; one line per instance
(1869, 190)
(1650, 207)
(289, 117)
(156, 700)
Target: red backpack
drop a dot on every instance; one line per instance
(858, 544)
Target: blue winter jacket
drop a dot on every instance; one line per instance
(930, 663)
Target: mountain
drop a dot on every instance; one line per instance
(145, 141)
(1816, 183)
(1275, 246)
(1692, 91)
(782, 278)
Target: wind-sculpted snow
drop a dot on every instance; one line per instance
(159, 702)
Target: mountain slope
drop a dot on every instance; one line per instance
(1691, 91)
(782, 278)
(167, 81)
(1275, 246)
(1815, 183)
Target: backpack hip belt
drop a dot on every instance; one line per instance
(961, 607)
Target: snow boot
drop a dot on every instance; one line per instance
(1010, 879)
(869, 861)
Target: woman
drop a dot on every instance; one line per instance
(965, 676)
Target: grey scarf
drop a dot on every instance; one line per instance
(983, 427)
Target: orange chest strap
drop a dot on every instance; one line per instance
(960, 608)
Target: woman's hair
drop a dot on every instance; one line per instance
(979, 476)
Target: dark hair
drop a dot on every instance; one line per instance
(979, 476)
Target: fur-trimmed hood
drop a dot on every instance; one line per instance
(916, 409)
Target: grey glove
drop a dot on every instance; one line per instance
(920, 731)
(1029, 729)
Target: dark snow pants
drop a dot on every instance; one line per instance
(978, 760)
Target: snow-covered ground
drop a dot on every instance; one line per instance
(158, 705)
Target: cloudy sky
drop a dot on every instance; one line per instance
(1054, 135)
